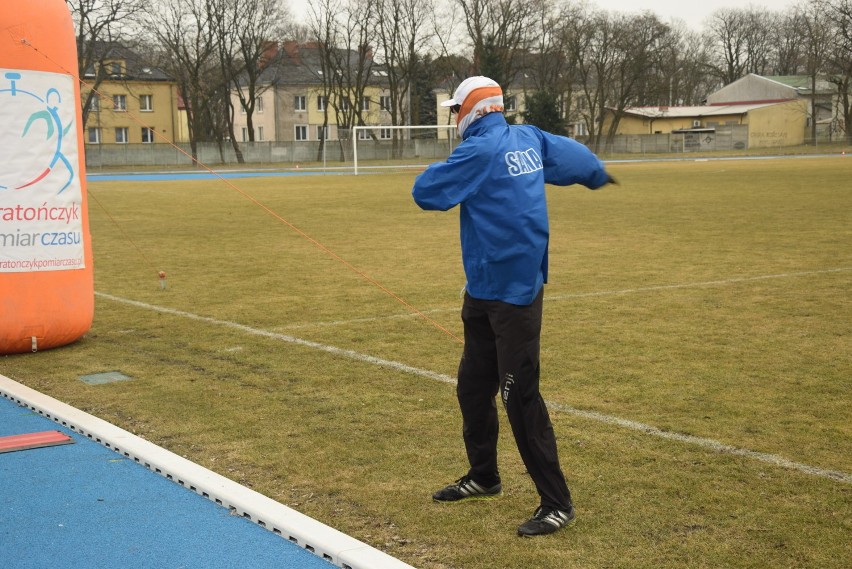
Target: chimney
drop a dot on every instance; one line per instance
(291, 48)
(270, 50)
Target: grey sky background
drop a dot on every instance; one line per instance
(693, 12)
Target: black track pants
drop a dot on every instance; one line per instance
(501, 355)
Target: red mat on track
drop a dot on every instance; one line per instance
(33, 440)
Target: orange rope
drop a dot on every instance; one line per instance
(120, 228)
(274, 214)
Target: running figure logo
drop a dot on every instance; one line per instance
(31, 147)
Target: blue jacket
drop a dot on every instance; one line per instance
(497, 175)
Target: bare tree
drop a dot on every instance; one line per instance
(185, 31)
(742, 38)
(400, 33)
(840, 14)
(549, 61)
(343, 31)
(548, 72)
(819, 37)
(247, 32)
(789, 41)
(447, 35)
(613, 53)
(99, 23)
(499, 31)
(693, 80)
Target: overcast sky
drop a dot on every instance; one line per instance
(693, 12)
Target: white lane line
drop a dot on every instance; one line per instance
(711, 444)
(560, 297)
(698, 284)
(593, 415)
(282, 337)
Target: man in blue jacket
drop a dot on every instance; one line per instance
(497, 177)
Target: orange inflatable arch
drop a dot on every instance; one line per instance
(46, 278)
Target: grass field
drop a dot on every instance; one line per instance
(697, 356)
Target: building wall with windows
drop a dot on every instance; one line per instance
(263, 117)
(128, 112)
(296, 105)
(305, 113)
(134, 104)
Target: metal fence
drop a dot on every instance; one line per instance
(334, 151)
(731, 138)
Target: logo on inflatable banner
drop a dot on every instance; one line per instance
(41, 226)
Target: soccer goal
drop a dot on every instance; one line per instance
(377, 146)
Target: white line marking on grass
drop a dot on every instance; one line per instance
(711, 444)
(592, 415)
(364, 320)
(283, 337)
(560, 297)
(696, 285)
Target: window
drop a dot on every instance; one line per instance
(111, 68)
(511, 104)
(364, 134)
(260, 133)
(94, 136)
(301, 132)
(322, 102)
(299, 103)
(385, 102)
(258, 104)
(385, 134)
(322, 132)
(365, 103)
(146, 103)
(121, 135)
(345, 104)
(119, 102)
(94, 104)
(147, 135)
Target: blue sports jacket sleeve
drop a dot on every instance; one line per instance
(567, 162)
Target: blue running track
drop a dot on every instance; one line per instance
(83, 506)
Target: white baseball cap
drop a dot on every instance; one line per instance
(466, 87)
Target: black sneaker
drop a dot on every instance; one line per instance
(547, 520)
(466, 489)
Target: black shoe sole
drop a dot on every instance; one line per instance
(468, 498)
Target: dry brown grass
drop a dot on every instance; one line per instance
(703, 298)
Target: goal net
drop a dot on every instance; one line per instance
(400, 147)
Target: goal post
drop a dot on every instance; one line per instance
(378, 143)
